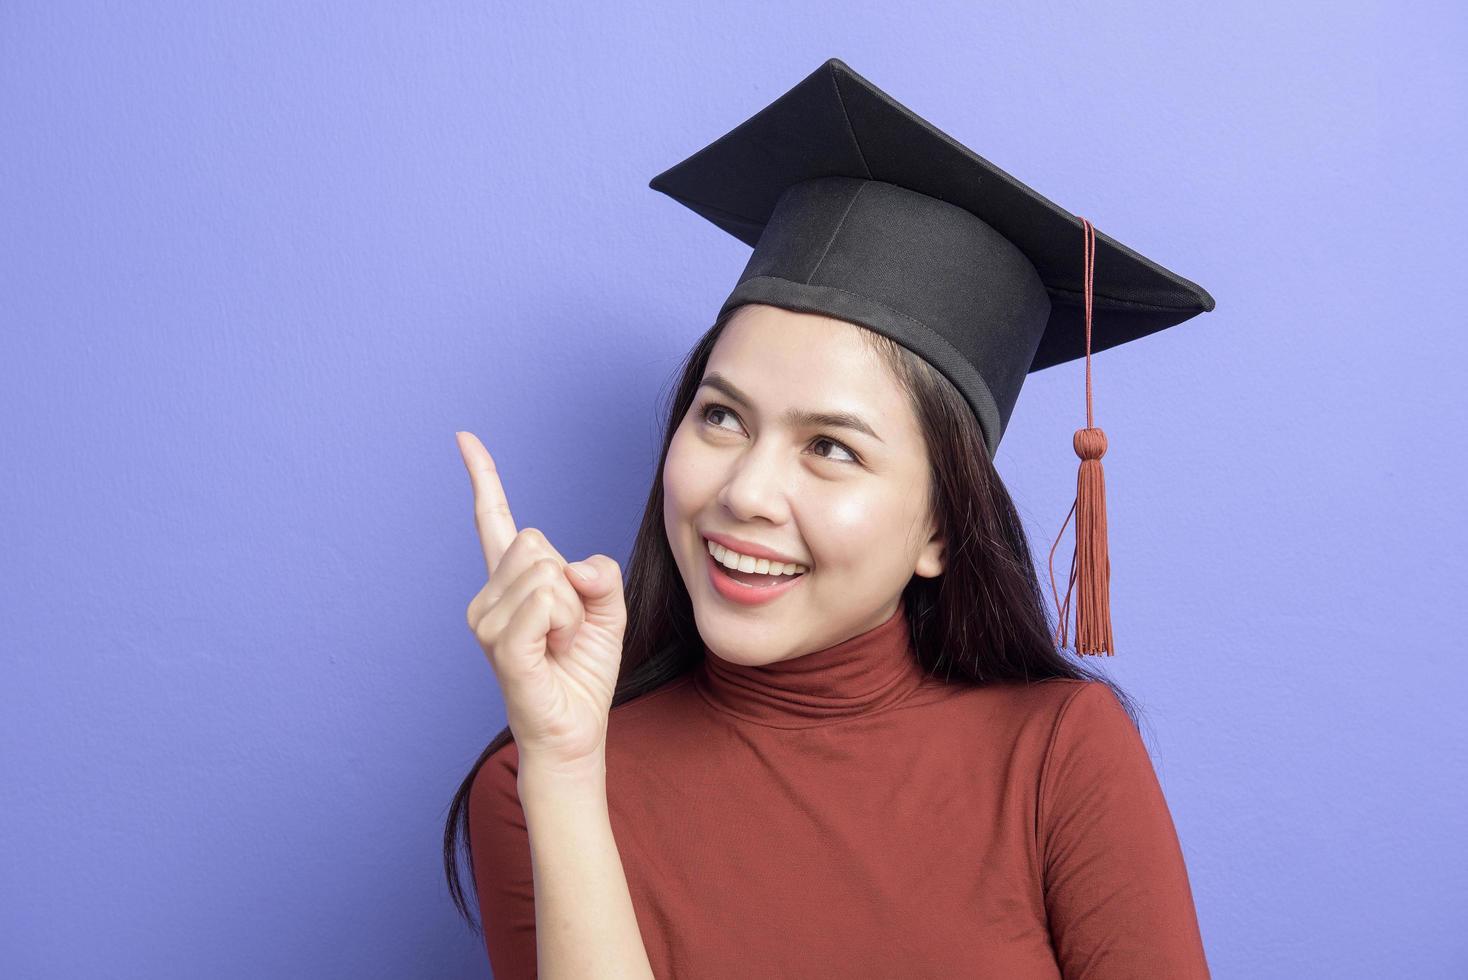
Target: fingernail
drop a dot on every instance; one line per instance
(583, 570)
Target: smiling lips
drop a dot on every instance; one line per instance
(715, 541)
(732, 584)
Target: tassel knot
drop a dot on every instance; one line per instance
(1090, 443)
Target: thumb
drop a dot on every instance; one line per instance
(601, 595)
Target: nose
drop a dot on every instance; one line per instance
(757, 487)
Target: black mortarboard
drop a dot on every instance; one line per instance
(860, 209)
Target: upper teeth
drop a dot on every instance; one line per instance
(744, 563)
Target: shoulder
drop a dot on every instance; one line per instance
(1078, 702)
(1034, 710)
(1087, 713)
(1094, 750)
(1054, 694)
(1015, 720)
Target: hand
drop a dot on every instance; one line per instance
(553, 638)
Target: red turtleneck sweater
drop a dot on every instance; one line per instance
(841, 814)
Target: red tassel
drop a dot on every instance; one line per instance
(1090, 566)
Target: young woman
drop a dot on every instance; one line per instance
(825, 728)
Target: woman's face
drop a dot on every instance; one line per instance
(849, 505)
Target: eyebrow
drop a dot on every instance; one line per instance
(795, 417)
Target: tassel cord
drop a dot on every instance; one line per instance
(1090, 573)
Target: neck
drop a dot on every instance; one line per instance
(865, 673)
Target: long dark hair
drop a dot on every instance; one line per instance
(983, 620)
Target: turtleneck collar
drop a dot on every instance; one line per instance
(862, 674)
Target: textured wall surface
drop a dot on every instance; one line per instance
(258, 262)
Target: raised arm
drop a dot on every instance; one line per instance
(553, 634)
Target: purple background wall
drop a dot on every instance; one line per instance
(258, 262)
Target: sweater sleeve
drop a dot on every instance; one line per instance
(503, 876)
(1116, 887)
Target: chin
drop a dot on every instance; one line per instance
(738, 647)
(739, 636)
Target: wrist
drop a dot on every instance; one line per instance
(559, 775)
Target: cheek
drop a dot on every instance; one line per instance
(858, 528)
(685, 482)
(850, 527)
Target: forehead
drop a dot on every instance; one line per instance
(782, 357)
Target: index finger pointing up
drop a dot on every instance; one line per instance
(491, 510)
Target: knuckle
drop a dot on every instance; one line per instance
(477, 606)
(486, 633)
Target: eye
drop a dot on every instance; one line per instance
(710, 408)
(840, 446)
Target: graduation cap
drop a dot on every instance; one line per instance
(859, 209)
